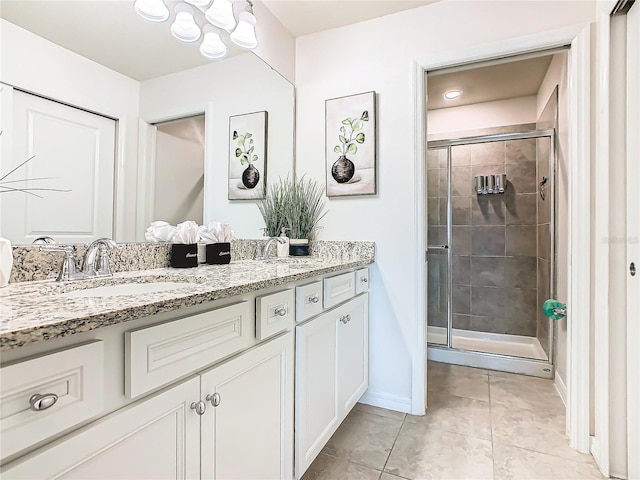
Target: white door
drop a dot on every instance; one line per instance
(153, 439)
(249, 434)
(353, 352)
(73, 153)
(317, 413)
(633, 243)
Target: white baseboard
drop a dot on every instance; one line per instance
(561, 388)
(387, 400)
(597, 453)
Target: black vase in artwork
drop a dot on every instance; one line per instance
(250, 176)
(343, 170)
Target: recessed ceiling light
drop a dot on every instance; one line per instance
(451, 94)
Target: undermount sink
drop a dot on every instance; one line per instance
(126, 289)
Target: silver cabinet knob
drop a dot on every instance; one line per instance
(214, 399)
(281, 311)
(364, 280)
(39, 402)
(345, 319)
(314, 299)
(200, 407)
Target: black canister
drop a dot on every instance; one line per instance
(184, 255)
(218, 253)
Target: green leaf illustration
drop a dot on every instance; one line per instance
(251, 150)
(255, 158)
(244, 160)
(360, 138)
(235, 134)
(347, 121)
(352, 148)
(248, 135)
(337, 149)
(365, 116)
(343, 131)
(342, 139)
(238, 153)
(357, 125)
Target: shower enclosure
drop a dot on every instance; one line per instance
(491, 251)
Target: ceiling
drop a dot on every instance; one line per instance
(512, 79)
(110, 33)
(302, 17)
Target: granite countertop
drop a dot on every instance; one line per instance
(35, 311)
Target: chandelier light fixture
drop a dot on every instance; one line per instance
(203, 21)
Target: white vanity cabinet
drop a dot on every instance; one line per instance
(248, 434)
(332, 365)
(233, 421)
(155, 438)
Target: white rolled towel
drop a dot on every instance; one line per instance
(186, 232)
(159, 231)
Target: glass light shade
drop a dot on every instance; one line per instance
(245, 33)
(212, 46)
(199, 3)
(152, 10)
(220, 14)
(184, 27)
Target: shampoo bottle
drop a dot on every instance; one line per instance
(283, 245)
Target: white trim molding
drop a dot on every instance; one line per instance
(419, 372)
(579, 258)
(386, 400)
(579, 203)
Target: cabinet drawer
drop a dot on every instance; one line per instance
(274, 313)
(362, 280)
(157, 355)
(74, 375)
(308, 301)
(338, 289)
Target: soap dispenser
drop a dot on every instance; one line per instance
(283, 245)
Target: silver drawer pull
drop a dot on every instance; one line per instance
(200, 407)
(364, 280)
(280, 311)
(314, 299)
(39, 402)
(345, 319)
(214, 399)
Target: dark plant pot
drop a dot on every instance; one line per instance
(250, 176)
(184, 255)
(298, 247)
(218, 253)
(343, 170)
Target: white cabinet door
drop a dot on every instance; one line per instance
(158, 438)
(317, 415)
(352, 352)
(249, 434)
(72, 150)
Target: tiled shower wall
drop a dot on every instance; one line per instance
(494, 238)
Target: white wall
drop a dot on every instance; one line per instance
(276, 45)
(513, 111)
(33, 64)
(242, 84)
(381, 55)
(179, 171)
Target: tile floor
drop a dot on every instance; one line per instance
(479, 425)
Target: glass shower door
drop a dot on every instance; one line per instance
(438, 282)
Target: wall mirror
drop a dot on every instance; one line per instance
(99, 76)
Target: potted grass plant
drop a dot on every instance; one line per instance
(297, 206)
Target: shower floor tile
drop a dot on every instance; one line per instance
(479, 424)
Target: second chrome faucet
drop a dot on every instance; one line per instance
(95, 263)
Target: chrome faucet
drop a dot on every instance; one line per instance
(263, 254)
(95, 263)
(96, 258)
(68, 269)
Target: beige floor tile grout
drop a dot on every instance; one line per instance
(384, 467)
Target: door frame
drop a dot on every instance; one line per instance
(579, 258)
(633, 245)
(147, 159)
